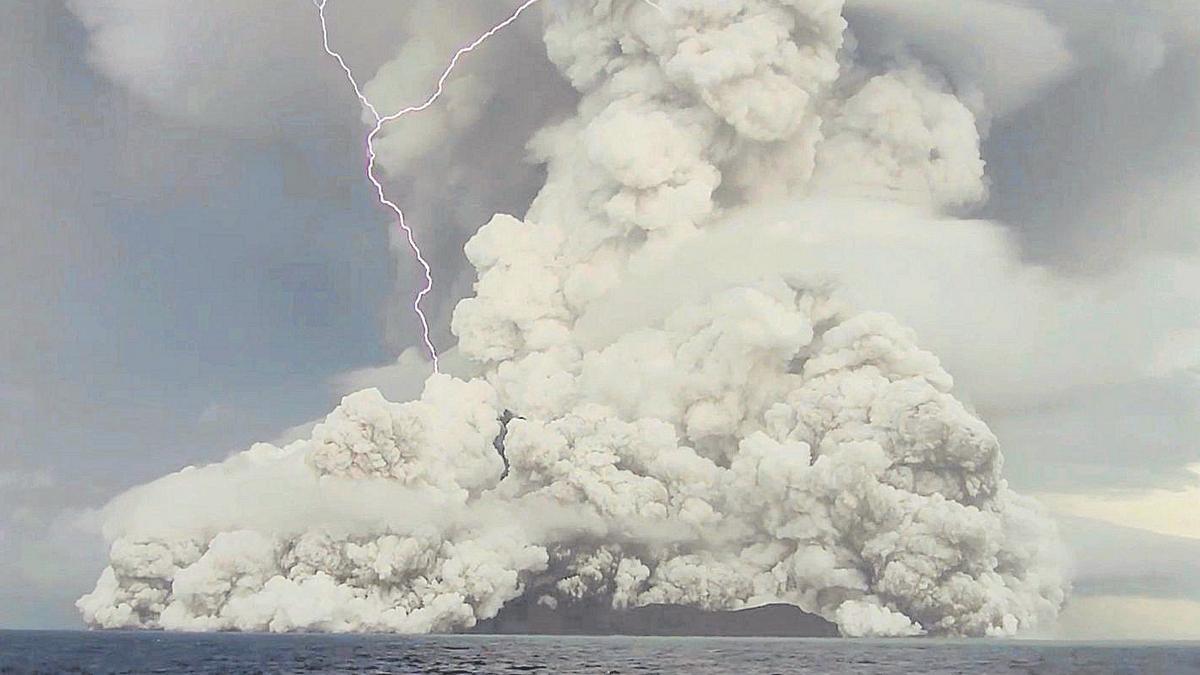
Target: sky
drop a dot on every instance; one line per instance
(191, 261)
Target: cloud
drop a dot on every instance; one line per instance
(16, 480)
(258, 72)
(1140, 434)
(1077, 360)
(399, 381)
(226, 65)
(1097, 195)
(1112, 560)
(1169, 512)
(50, 551)
(758, 440)
(1015, 335)
(1129, 618)
(108, 208)
(999, 54)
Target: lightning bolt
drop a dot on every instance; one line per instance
(656, 6)
(381, 120)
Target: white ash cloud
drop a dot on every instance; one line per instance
(760, 440)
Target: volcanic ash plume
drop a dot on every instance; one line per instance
(764, 443)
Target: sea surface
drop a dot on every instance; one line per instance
(122, 652)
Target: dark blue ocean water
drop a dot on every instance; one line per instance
(78, 652)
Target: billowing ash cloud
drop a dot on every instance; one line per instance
(761, 442)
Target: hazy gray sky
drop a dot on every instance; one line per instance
(191, 262)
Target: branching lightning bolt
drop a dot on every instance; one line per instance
(381, 120)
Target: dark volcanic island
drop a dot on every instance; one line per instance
(526, 616)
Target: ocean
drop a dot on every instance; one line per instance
(144, 652)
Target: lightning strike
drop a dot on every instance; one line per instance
(381, 120)
(656, 6)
